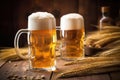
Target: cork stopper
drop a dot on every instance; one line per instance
(105, 9)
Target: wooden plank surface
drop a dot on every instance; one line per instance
(115, 75)
(19, 70)
(91, 77)
(2, 62)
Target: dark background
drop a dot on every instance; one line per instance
(14, 13)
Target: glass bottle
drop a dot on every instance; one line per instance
(106, 20)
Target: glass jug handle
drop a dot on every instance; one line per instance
(16, 43)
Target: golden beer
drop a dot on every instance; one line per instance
(42, 46)
(72, 43)
(72, 37)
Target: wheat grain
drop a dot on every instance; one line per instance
(111, 52)
(87, 60)
(96, 36)
(94, 39)
(92, 68)
(9, 53)
(106, 41)
(113, 44)
(111, 27)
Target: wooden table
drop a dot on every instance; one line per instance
(18, 70)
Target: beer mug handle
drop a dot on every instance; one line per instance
(16, 43)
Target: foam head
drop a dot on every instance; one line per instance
(72, 21)
(41, 21)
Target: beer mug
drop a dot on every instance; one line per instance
(41, 35)
(72, 36)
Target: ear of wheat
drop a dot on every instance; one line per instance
(91, 68)
(105, 36)
(88, 60)
(114, 52)
(10, 54)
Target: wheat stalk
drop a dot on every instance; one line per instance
(101, 38)
(98, 36)
(113, 44)
(9, 53)
(91, 68)
(105, 41)
(87, 60)
(115, 52)
(111, 28)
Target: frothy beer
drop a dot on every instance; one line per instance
(42, 40)
(41, 21)
(72, 36)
